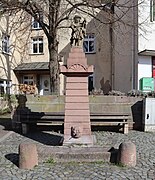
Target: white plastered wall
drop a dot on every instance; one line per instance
(144, 67)
(146, 33)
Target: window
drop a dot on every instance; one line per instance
(152, 10)
(89, 43)
(1, 90)
(28, 79)
(5, 86)
(90, 83)
(35, 23)
(5, 43)
(37, 45)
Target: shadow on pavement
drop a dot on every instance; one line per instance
(37, 134)
(45, 138)
(114, 155)
(14, 158)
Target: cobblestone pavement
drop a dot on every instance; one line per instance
(47, 170)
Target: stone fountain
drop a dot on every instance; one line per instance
(77, 127)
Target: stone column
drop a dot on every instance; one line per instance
(127, 154)
(77, 128)
(28, 156)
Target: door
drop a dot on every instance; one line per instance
(45, 85)
(149, 114)
(153, 69)
(90, 83)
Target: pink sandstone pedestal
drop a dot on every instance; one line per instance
(77, 128)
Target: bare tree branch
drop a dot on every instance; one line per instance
(57, 13)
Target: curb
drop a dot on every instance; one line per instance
(6, 136)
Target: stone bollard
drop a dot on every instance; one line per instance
(127, 154)
(28, 157)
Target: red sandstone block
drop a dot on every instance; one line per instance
(82, 119)
(77, 55)
(77, 106)
(77, 79)
(76, 86)
(67, 131)
(69, 135)
(90, 69)
(77, 99)
(86, 133)
(77, 112)
(77, 92)
(77, 61)
(79, 70)
(70, 124)
(85, 125)
(81, 122)
(77, 49)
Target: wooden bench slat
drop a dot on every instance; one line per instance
(47, 117)
(50, 123)
(62, 114)
(107, 123)
(110, 117)
(57, 118)
(92, 123)
(91, 117)
(61, 117)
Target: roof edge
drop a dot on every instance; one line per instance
(147, 52)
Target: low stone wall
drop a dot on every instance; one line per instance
(122, 104)
(98, 104)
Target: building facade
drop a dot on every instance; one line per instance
(146, 34)
(118, 50)
(25, 49)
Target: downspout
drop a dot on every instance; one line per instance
(7, 57)
(134, 46)
(112, 63)
(111, 56)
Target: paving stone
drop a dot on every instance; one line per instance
(145, 168)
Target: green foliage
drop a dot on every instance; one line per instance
(5, 110)
(50, 161)
(120, 165)
(4, 96)
(99, 162)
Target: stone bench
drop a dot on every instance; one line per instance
(57, 118)
(111, 119)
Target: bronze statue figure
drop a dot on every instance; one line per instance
(78, 31)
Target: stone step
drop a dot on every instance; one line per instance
(79, 154)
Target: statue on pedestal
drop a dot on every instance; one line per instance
(78, 31)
